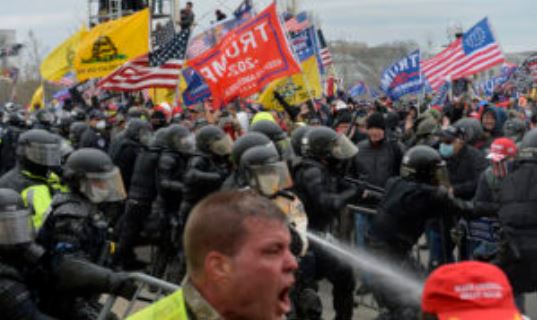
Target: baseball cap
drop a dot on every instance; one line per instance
(502, 148)
(451, 133)
(468, 291)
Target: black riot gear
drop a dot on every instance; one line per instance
(76, 129)
(44, 119)
(251, 139)
(424, 164)
(139, 131)
(323, 143)
(180, 139)
(245, 142)
(92, 173)
(10, 136)
(39, 147)
(297, 137)
(270, 129)
(142, 193)
(213, 140)
(16, 118)
(126, 147)
(275, 133)
(264, 171)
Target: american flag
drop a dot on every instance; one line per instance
(137, 74)
(174, 50)
(298, 23)
(326, 57)
(475, 51)
(163, 34)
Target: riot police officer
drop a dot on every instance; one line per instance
(324, 195)
(38, 152)
(44, 119)
(30, 278)
(420, 193)
(208, 169)
(171, 168)
(16, 125)
(142, 193)
(125, 149)
(276, 134)
(76, 129)
(75, 225)
(241, 145)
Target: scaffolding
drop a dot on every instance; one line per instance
(105, 10)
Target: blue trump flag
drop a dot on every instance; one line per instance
(359, 89)
(197, 90)
(441, 95)
(402, 77)
(303, 43)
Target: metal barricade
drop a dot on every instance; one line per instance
(157, 289)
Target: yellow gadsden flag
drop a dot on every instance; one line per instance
(60, 60)
(37, 98)
(110, 44)
(294, 89)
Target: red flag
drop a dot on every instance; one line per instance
(247, 58)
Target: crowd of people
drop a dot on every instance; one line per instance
(97, 180)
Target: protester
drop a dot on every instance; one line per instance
(519, 225)
(224, 264)
(186, 16)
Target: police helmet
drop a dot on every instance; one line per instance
(322, 142)
(92, 173)
(211, 139)
(245, 142)
(264, 171)
(180, 138)
(139, 131)
(76, 129)
(297, 139)
(424, 164)
(39, 147)
(270, 129)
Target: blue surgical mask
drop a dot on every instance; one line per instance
(446, 150)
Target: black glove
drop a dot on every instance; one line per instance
(121, 285)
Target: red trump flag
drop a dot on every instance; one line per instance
(248, 58)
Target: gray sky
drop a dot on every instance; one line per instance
(370, 21)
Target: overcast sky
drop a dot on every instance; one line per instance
(370, 21)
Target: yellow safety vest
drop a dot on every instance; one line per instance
(171, 307)
(38, 198)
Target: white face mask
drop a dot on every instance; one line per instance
(98, 195)
(100, 125)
